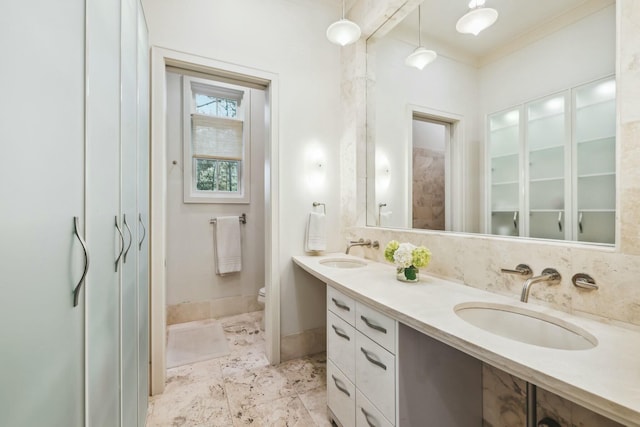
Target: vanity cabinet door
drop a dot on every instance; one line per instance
(377, 326)
(341, 396)
(341, 344)
(342, 305)
(375, 375)
(367, 415)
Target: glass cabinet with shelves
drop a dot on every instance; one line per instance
(552, 172)
(504, 153)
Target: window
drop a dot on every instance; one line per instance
(216, 142)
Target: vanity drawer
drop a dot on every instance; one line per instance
(341, 345)
(342, 305)
(341, 396)
(367, 415)
(377, 326)
(376, 375)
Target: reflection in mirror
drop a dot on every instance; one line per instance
(526, 116)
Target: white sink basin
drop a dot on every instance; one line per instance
(526, 326)
(342, 263)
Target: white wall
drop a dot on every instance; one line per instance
(190, 266)
(577, 54)
(286, 38)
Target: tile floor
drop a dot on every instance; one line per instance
(242, 388)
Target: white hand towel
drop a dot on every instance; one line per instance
(228, 245)
(385, 219)
(316, 232)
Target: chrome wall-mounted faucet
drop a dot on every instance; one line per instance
(361, 242)
(549, 275)
(521, 269)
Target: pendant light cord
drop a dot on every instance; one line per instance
(419, 27)
(343, 9)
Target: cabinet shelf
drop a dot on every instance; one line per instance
(595, 104)
(596, 210)
(561, 178)
(553, 147)
(505, 210)
(505, 183)
(598, 139)
(546, 210)
(503, 156)
(596, 175)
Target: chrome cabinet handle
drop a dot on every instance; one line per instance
(560, 221)
(367, 417)
(373, 325)
(340, 304)
(580, 222)
(372, 360)
(339, 332)
(76, 290)
(515, 220)
(121, 242)
(339, 387)
(144, 231)
(124, 221)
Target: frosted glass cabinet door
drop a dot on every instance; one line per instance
(42, 172)
(504, 157)
(103, 202)
(595, 146)
(546, 138)
(143, 218)
(129, 214)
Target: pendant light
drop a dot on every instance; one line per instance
(421, 56)
(477, 19)
(343, 32)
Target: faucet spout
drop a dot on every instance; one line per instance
(549, 275)
(362, 242)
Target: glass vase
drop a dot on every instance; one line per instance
(408, 274)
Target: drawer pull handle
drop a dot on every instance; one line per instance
(342, 389)
(368, 417)
(339, 332)
(373, 325)
(340, 304)
(372, 360)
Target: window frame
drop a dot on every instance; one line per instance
(191, 194)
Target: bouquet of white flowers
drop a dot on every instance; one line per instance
(407, 258)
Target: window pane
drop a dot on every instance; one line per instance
(205, 174)
(214, 106)
(217, 175)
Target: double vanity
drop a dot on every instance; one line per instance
(403, 354)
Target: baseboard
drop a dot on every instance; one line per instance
(211, 309)
(305, 343)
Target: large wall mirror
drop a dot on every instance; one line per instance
(509, 132)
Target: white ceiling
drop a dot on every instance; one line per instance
(516, 19)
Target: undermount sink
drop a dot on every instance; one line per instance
(342, 263)
(526, 326)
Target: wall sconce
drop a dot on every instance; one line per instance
(477, 19)
(343, 32)
(421, 56)
(383, 173)
(315, 168)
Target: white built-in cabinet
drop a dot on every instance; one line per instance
(552, 166)
(383, 373)
(74, 160)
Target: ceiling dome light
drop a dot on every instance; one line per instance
(420, 57)
(477, 19)
(343, 32)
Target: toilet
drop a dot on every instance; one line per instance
(261, 297)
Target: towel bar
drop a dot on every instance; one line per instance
(242, 218)
(324, 207)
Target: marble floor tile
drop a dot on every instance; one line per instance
(316, 403)
(306, 373)
(284, 412)
(242, 388)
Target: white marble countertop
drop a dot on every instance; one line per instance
(605, 379)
